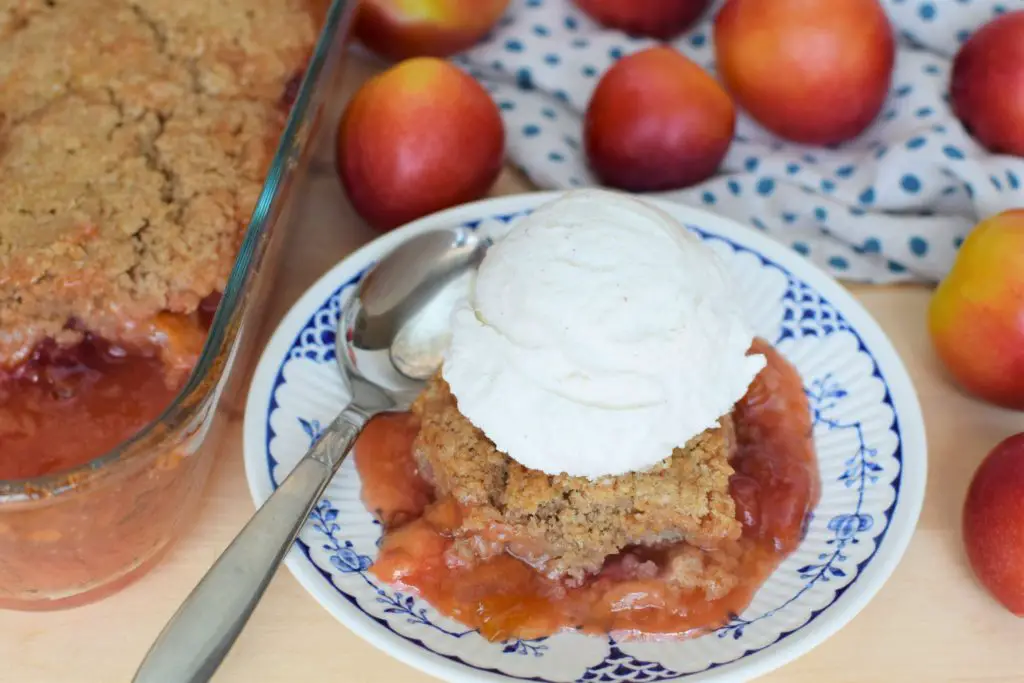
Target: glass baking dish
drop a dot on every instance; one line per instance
(73, 537)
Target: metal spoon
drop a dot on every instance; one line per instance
(389, 341)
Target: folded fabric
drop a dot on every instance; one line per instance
(893, 204)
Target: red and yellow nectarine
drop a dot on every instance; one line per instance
(399, 29)
(976, 316)
(663, 19)
(993, 523)
(418, 138)
(812, 71)
(657, 121)
(986, 86)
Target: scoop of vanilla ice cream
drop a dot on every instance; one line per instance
(600, 335)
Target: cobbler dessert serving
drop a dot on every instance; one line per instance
(134, 140)
(607, 447)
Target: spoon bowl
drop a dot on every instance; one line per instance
(396, 327)
(389, 343)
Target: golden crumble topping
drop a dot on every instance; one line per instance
(134, 137)
(568, 526)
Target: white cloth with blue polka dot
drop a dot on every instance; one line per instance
(892, 205)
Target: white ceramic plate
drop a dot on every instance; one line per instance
(867, 428)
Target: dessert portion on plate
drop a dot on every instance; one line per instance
(564, 526)
(134, 139)
(607, 447)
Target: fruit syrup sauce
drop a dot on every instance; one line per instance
(65, 406)
(775, 487)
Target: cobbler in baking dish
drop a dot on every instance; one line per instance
(134, 139)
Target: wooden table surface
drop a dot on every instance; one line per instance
(930, 622)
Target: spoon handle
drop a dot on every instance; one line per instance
(198, 637)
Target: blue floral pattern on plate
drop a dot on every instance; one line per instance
(859, 433)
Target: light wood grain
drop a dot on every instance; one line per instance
(930, 622)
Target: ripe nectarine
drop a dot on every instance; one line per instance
(812, 71)
(663, 19)
(976, 316)
(398, 29)
(993, 523)
(987, 84)
(657, 121)
(418, 138)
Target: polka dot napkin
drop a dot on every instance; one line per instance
(891, 205)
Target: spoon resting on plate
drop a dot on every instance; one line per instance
(389, 341)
